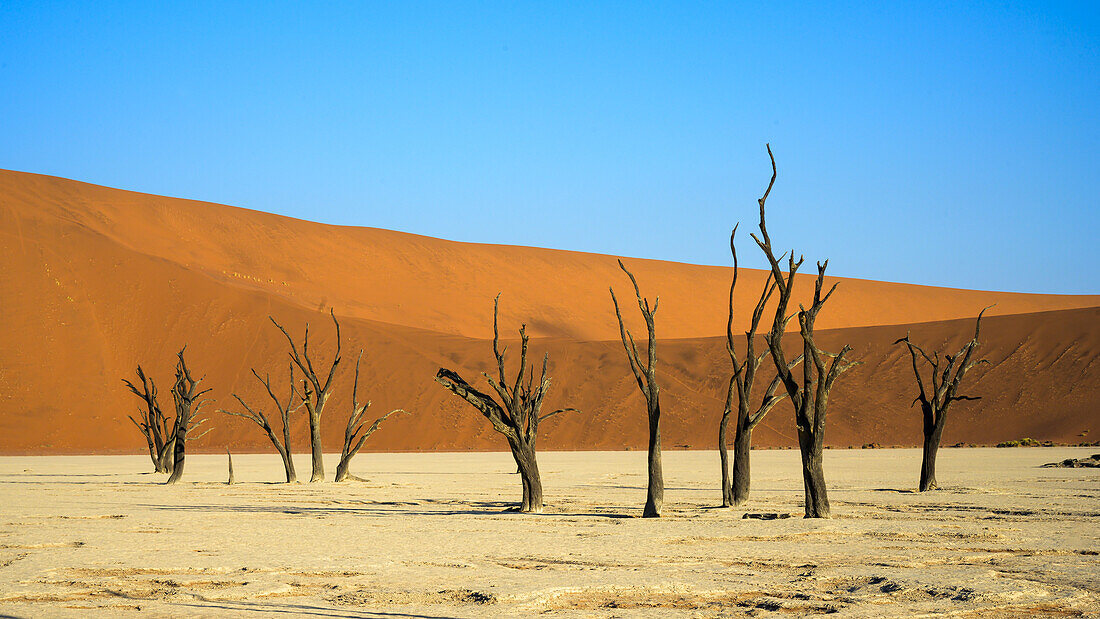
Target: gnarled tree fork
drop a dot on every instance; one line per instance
(810, 396)
(518, 414)
(357, 431)
(736, 491)
(647, 384)
(946, 375)
(260, 418)
(314, 394)
(189, 403)
(152, 422)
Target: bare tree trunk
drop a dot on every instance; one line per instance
(231, 479)
(723, 450)
(646, 377)
(933, 431)
(151, 421)
(935, 398)
(288, 457)
(342, 470)
(518, 414)
(318, 473)
(356, 432)
(740, 388)
(168, 456)
(178, 452)
(742, 446)
(655, 495)
(314, 392)
(529, 475)
(259, 417)
(186, 395)
(813, 475)
(810, 396)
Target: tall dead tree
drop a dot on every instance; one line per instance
(647, 383)
(810, 396)
(946, 376)
(152, 422)
(188, 400)
(260, 418)
(736, 492)
(314, 393)
(354, 434)
(519, 412)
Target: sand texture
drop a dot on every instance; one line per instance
(427, 536)
(94, 281)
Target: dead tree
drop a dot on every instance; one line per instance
(354, 434)
(736, 492)
(257, 416)
(647, 383)
(188, 400)
(946, 376)
(314, 393)
(519, 412)
(232, 480)
(152, 422)
(810, 396)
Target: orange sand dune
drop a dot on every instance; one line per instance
(443, 286)
(94, 281)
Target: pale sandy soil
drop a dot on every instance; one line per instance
(427, 536)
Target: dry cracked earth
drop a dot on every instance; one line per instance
(428, 535)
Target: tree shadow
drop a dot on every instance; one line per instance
(75, 474)
(301, 610)
(382, 508)
(897, 490)
(83, 483)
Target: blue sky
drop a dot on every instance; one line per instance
(953, 144)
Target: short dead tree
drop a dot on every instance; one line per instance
(188, 401)
(749, 414)
(152, 422)
(646, 376)
(260, 418)
(936, 396)
(355, 434)
(166, 437)
(519, 412)
(810, 395)
(314, 394)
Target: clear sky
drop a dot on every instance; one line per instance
(948, 143)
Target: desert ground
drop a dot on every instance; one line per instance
(428, 535)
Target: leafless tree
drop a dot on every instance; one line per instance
(354, 434)
(736, 492)
(188, 400)
(152, 422)
(810, 396)
(647, 383)
(946, 376)
(260, 418)
(314, 394)
(519, 412)
(232, 480)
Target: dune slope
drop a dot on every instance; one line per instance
(94, 281)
